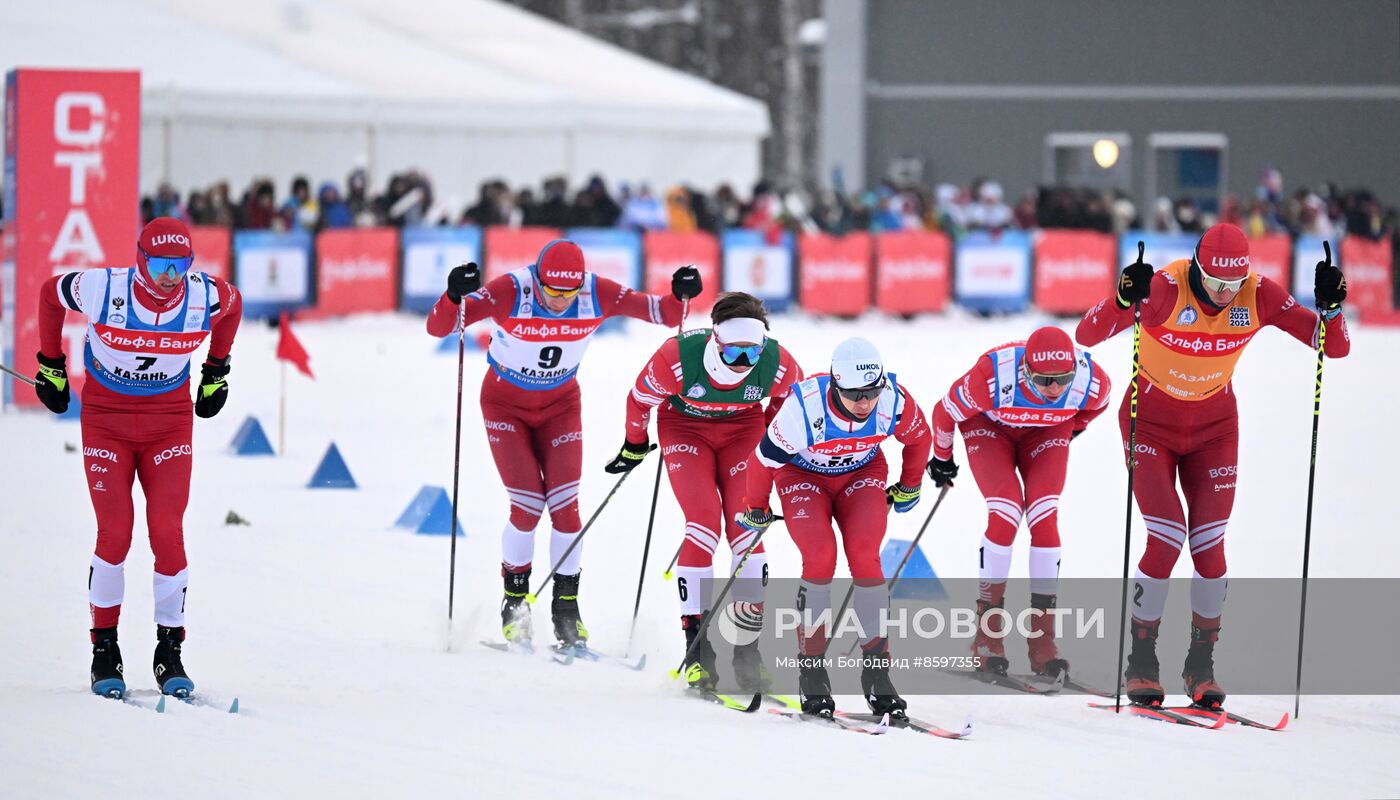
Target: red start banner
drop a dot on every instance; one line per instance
(512, 248)
(665, 252)
(1367, 265)
(213, 244)
(72, 154)
(1073, 270)
(912, 273)
(833, 273)
(1272, 256)
(356, 270)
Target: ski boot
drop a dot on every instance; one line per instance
(699, 669)
(1044, 655)
(814, 687)
(990, 647)
(568, 626)
(1199, 672)
(1144, 685)
(875, 683)
(515, 612)
(106, 672)
(749, 672)
(170, 673)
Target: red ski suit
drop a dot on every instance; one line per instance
(530, 396)
(1187, 423)
(146, 436)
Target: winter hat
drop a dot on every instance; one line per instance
(856, 364)
(164, 237)
(560, 265)
(1049, 351)
(1223, 252)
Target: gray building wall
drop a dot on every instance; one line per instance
(974, 88)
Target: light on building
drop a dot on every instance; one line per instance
(1106, 153)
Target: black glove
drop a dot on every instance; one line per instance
(942, 472)
(51, 384)
(462, 281)
(213, 388)
(685, 283)
(1329, 285)
(1135, 282)
(627, 458)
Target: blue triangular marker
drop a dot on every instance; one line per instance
(418, 510)
(332, 473)
(251, 440)
(439, 518)
(233, 707)
(918, 580)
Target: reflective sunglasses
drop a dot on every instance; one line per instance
(1061, 379)
(173, 268)
(732, 353)
(1217, 285)
(553, 292)
(864, 393)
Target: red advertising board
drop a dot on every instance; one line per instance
(356, 270)
(1367, 267)
(833, 273)
(512, 248)
(1272, 256)
(71, 160)
(213, 246)
(665, 252)
(1073, 270)
(912, 271)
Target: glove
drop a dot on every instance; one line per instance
(755, 520)
(627, 458)
(213, 389)
(1329, 286)
(462, 281)
(942, 472)
(902, 497)
(1135, 283)
(51, 384)
(685, 283)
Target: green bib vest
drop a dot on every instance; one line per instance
(700, 398)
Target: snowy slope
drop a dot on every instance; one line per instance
(331, 627)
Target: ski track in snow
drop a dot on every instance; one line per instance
(331, 627)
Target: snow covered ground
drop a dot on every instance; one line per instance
(331, 627)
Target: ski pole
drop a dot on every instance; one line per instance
(705, 623)
(24, 378)
(535, 595)
(894, 579)
(456, 459)
(651, 518)
(1128, 522)
(1312, 474)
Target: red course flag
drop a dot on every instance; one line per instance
(289, 349)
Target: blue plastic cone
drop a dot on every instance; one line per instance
(918, 580)
(332, 473)
(430, 513)
(251, 440)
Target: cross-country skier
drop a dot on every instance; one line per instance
(545, 316)
(1198, 315)
(712, 382)
(1018, 408)
(822, 451)
(144, 325)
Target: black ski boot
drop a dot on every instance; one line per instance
(699, 668)
(515, 613)
(877, 687)
(1144, 684)
(814, 687)
(1199, 672)
(106, 673)
(170, 673)
(568, 626)
(748, 669)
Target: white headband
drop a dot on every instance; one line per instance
(741, 329)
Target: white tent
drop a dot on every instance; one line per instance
(464, 90)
